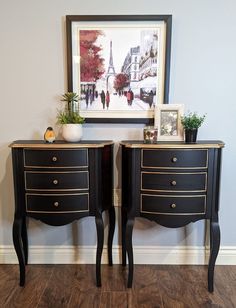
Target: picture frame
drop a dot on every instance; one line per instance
(119, 65)
(168, 122)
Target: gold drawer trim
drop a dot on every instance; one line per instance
(54, 167)
(57, 212)
(56, 189)
(173, 196)
(169, 190)
(158, 167)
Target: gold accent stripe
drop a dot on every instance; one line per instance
(173, 145)
(60, 146)
(172, 196)
(170, 190)
(173, 214)
(56, 212)
(60, 172)
(54, 167)
(166, 167)
(56, 189)
(65, 212)
(49, 167)
(60, 189)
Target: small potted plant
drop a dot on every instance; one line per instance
(191, 122)
(70, 118)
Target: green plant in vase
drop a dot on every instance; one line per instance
(70, 118)
(191, 122)
(71, 113)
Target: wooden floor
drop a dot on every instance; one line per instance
(154, 286)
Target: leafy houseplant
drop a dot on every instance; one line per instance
(191, 122)
(70, 118)
(71, 113)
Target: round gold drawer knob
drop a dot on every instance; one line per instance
(174, 159)
(173, 206)
(173, 183)
(54, 158)
(56, 204)
(55, 182)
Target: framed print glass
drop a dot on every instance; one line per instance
(119, 65)
(168, 122)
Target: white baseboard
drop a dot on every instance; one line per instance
(142, 255)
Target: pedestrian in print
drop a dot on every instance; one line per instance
(103, 97)
(90, 97)
(151, 98)
(107, 99)
(87, 97)
(130, 97)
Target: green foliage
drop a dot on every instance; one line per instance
(70, 115)
(70, 97)
(65, 117)
(192, 120)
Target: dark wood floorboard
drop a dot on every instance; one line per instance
(12, 295)
(164, 286)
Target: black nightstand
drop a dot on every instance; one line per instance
(173, 184)
(61, 182)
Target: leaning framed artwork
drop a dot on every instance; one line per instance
(168, 122)
(119, 65)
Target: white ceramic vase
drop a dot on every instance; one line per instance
(72, 132)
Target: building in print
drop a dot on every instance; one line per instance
(148, 66)
(131, 64)
(148, 54)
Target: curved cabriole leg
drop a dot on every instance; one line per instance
(24, 237)
(123, 222)
(112, 218)
(129, 248)
(215, 245)
(17, 241)
(100, 240)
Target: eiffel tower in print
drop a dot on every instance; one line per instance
(111, 69)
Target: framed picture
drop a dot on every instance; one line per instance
(119, 65)
(168, 122)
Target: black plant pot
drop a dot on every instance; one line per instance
(190, 135)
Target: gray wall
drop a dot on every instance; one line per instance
(33, 75)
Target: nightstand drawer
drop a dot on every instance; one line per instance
(173, 205)
(56, 158)
(55, 203)
(164, 181)
(172, 159)
(75, 180)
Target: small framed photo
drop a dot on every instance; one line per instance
(168, 122)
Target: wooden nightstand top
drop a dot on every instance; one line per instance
(176, 145)
(60, 144)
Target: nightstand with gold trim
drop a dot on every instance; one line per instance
(173, 184)
(61, 182)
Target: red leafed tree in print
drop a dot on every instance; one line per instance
(91, 62)
(121, 81)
